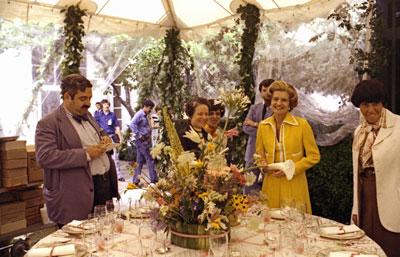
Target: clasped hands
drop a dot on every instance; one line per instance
(272, 172)
(95, 151)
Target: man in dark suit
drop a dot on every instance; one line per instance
(257, 113)
(71, 148)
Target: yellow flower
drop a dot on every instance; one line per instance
(215, 225)
(131, 186)
(211, 147)
(203, 196)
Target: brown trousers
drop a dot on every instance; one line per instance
(369, 218)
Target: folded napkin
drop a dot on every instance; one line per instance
(350, 254)
(338, 230)
(287, 167)
(75, 223)
(57, 251)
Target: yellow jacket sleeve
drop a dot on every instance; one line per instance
(312, 155)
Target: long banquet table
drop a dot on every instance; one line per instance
(245, 241)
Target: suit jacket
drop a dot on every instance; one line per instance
(385, 154)
(68, 186)
(254, 114)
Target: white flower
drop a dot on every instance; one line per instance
(186, 158)
(250, 178)
(193, 136)
(156, 151)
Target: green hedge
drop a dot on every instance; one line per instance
(331, 182)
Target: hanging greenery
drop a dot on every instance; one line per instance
(250, 15)
(357, 19)
(74, 31)
(173, 74)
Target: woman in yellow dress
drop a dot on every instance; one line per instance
(288, 140)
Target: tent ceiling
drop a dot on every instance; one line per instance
(152, 17)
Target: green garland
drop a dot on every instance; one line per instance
(174, 69)
(74, 31)
(250, 14)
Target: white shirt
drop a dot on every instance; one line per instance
(89, 136)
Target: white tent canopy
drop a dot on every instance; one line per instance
(194, 18)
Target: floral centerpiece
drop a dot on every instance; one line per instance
(199, 195)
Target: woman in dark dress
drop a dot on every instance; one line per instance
(197, 110)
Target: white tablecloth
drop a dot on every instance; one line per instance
(244, 242)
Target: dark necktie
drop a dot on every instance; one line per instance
(264, 111)
(80, 118)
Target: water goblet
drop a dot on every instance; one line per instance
(99, 211)
(218, 241)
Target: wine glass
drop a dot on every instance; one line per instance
(218, 241)
(109, 206)
(286, 207)
(99, 211)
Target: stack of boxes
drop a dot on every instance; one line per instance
(33, 199)
(14, 163)
(12, 217)
(20, 203)
(35, 173)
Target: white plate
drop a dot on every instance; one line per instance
(326, 252)
(346, 236)
(276, 214)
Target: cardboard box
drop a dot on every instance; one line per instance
(12, 145)
(14, 207)
(33, 220)
(13, 182)
(32, 211)
(19, 172)
(13, 226)
(29, 203)
(15, 163)
(14, 154)
(12, 217)
(35, 175)
(32, 193)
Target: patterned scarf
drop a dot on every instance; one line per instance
(365, 138)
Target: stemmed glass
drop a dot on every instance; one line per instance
(286, 207)
(219, 243)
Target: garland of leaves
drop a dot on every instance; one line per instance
(74, 31)
(374, 62)
(175, 66)
(250, 14)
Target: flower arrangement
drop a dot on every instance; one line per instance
(204, 191)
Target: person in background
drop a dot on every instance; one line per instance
(286, 139)
(257, 113)
(376, 167)
(155, 125)
(197, 111)
(109, 122)
(140, 126)
(212, 127)
(98, 111)
(71, 148)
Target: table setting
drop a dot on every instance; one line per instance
(258, 234)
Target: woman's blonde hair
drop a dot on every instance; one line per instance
(280, 85)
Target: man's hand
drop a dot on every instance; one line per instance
(250, 123)
(95, 151)
(106, 141)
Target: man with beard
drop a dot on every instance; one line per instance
(71, 148)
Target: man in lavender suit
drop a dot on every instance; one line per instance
(140, 126)
(71, 148)
(257, 113)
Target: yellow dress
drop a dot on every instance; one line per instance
(296, 142)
